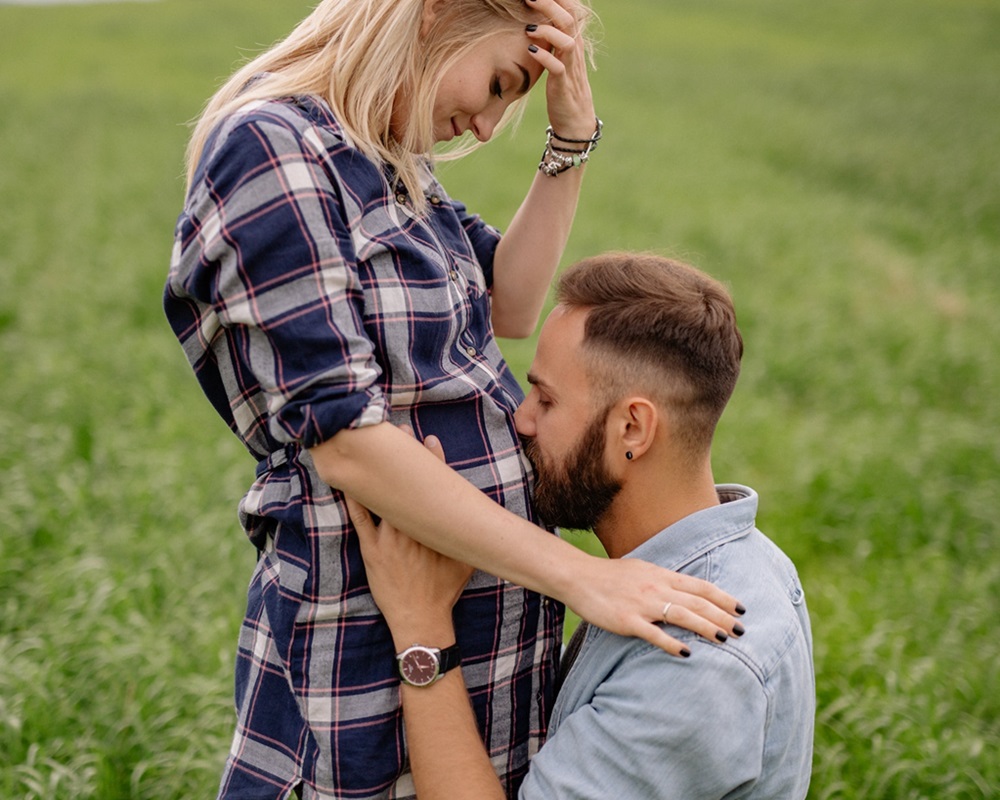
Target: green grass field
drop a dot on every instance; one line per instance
(838, 166)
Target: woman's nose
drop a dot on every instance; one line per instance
(523, 422)
(485, 122)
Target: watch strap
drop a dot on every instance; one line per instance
(449, 658)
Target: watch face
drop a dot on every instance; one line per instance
(418, 666)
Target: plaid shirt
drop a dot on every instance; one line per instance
(309, 298)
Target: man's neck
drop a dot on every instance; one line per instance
(650, 502)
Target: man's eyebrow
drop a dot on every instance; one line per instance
(526, 82)
(534, 380)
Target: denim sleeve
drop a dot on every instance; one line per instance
(658, 726)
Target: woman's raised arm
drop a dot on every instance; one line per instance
(529, 253)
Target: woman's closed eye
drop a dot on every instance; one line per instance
(495, 87)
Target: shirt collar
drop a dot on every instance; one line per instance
(691, 537)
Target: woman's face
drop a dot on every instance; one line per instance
(477, 89)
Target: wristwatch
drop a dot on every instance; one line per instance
(421, 666)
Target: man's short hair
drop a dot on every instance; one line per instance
(660, 328)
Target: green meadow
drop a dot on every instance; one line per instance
(837, 165)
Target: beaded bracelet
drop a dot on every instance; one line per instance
(559, 159)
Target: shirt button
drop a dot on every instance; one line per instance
(401, 199)
(470, 351)
(435, 200)
(453, 275)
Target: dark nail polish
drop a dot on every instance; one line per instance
(531, 28)
(721, 636)
(685, 653)
(532, 48)
(740, 610)
(738, 630)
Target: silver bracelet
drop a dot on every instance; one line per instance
(557, 159)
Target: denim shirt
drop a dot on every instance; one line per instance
(732, 721)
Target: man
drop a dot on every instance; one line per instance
(633, 370)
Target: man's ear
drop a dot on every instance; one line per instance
(635, 421)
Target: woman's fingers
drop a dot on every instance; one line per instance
(636, 598)
(708, 627)
(707, 599)
(553, 41)
(659, 638)
(558, 46)
(562, 15)
(705, 622)
(556, 49)
(702, 608)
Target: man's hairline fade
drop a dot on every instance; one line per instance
(659, 372)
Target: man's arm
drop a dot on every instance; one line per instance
(447, 756)
(415, 589)
(639, 723)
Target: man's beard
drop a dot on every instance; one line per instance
(576, 493)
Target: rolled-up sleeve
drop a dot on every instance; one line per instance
(657, 726)
(266, 245)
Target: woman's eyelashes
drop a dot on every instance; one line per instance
(495, 87)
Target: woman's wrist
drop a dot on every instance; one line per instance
(564, 151)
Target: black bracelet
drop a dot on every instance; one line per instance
(556, 160)
(593, 140)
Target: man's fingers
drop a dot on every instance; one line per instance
(365, 527)
(433, 444)
(360, 516)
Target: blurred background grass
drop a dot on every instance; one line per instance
(838, 166)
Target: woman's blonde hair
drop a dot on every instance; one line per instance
(358, 56)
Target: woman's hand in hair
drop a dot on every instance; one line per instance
(560, 47)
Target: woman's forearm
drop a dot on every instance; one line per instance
(392, 474)
(529, 252)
